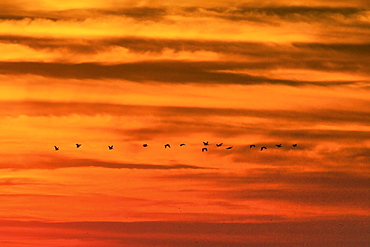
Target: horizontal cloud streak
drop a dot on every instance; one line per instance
(56, 163)
(143, 44)
(330, 232)
(283, 176)
(262, 14)
(190, 61)
(279, 185)
(264, 54)
(320, 116)
(164, 71)
(18, 181)
(321, 197)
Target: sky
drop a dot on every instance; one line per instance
(128, 73)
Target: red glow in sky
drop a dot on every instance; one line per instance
(241, 73)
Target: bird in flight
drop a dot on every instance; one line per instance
(278, 145)
(252, 146)
(145, 145)
(204, 149)
(182, 144)
(262, 148)
(167, 146)
(229, 147)
(219, 145)
(78, 145)
(205, 143)
(110, 147)
(56, 148)
(294, 145)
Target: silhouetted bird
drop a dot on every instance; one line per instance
(110, 147)
(56, 148)
(262, 148)
(294, 145)
(204, 149)
(252, 146)
(167, 146)
(145, 145)
(205, 143)
(278, 145)
(182, 144)
(78, 145)
(219, 145)
(229, 147)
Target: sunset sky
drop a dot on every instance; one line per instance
(128, 73)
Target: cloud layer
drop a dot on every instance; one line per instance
(240, 73)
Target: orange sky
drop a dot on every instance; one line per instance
(125, 73)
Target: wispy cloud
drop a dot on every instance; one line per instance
(279, 185)
(18, 181)
(280, 176)
(234, 72)
(56, 163)
(46, 108)
(266, 56)
(164, 71)
(206, 234)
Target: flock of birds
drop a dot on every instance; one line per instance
(204, 149)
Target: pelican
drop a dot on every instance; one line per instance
(262, 148)
(252, 146)
(229, 147)
(294, 145)
(278, 145)
(205, 143)
(145, 145)
(78, 145)
(219, 145)
(204, 149)
(110, 147)
(167, 146)
(56, 148)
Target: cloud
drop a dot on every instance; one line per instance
(214, 22)
(263, 14)
(241, 73)
(184, 60)
(320, 197)
(315, 154)
(283, 176)
(274, 15)
(259, 50)
(321, 134)
(19, 181)
(175, 115)
(140, 13)
(163, 71)
(80, 15)
(310, 128)
(326, 232)
(281, 185)
(56, 163)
